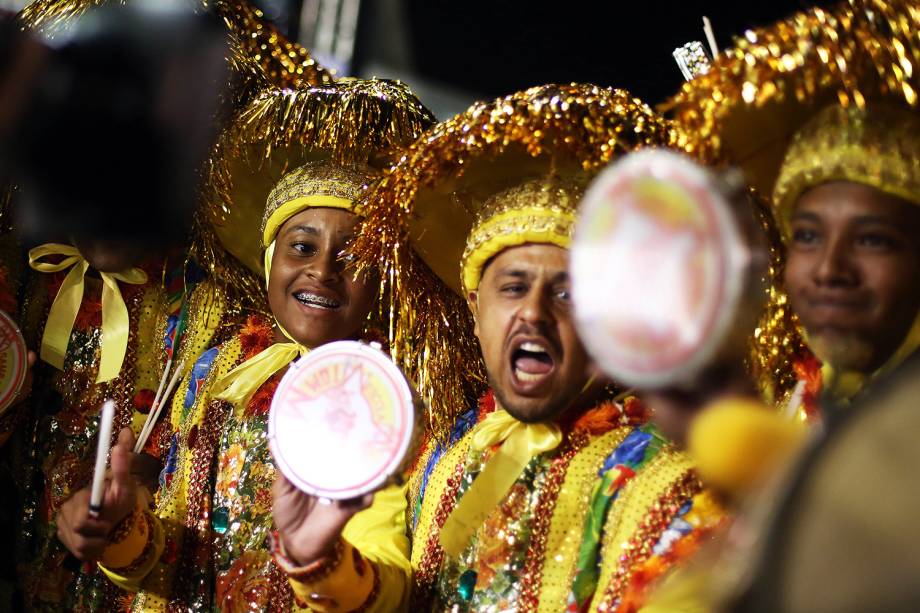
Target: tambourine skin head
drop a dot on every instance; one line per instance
(341, 421)
(13, 362)
(658, 267)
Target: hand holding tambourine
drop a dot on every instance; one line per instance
(667, 278)
(342, 424)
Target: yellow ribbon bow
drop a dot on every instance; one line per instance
(238, 385)
(520, 442)
(115, 321)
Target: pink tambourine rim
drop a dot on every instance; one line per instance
(674, 358)
(382, 367)
(15, 356)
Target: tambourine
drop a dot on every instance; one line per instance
(664, 277)
(13, 361)
(342, 421)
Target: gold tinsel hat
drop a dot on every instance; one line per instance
(759, 94)
(501, 173)
(290, 149)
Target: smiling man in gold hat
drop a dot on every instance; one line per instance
(545, 494)
(301, 161)
(820, 111)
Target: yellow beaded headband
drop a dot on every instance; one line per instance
(315, 184)
(878, 146)
(537, 211)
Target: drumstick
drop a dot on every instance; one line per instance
(156, 399)
(710, 37)
(145, 434)
(102, 454)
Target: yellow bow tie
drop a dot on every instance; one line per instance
(238, 386)
(520, 442)
(63, 313)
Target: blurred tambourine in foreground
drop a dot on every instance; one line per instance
(13, 362)
(665, 280)
(342, 421)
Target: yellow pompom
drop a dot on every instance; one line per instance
(738, 442)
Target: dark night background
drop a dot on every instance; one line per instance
(488, 48)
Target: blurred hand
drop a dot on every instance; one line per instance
(674, 409)
(146, 470)
(87, 537)
(308, 527)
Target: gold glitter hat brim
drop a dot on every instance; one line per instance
(759, 93)
(418, 215)
(353, 122)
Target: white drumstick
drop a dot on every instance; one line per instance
(142, 439)
(710, 37)
(156, 400)
(106, 420)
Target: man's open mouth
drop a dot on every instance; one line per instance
(316, 301)
(531, 361)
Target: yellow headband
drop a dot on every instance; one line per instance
(314, 185)
(538, 211)
(876, 146)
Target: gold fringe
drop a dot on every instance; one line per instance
(431, 329)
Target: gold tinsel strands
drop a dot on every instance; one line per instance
(258, 43)
(757, 94)
(351, 121)
(431, 327)
(858, 50)
(777, 342)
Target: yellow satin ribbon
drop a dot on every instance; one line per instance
(238, 386)
(520, 442)
(115, 321)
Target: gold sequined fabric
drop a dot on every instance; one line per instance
(428, 200)
(319, 179)
(878, 145)
(539, 210)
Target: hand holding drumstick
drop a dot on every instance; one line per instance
(86, 536)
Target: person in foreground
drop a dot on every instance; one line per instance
(205, 545)
(547, 495)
